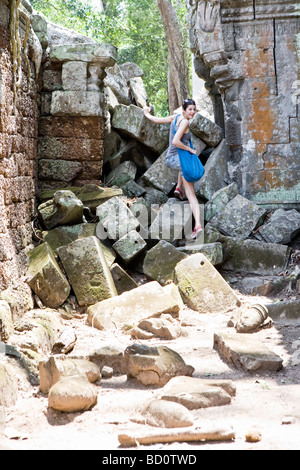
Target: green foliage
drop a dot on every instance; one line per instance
(134, 26)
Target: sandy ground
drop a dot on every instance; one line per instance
(270, 402)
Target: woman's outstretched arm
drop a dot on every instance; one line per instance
(155, 119)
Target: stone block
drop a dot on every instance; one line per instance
(262, 258)
(212, 251)
(216, 171)
(132, 121)
(115, 219)
(45, 277)
(247, 352)
(8, 386)
(101, 54)
(172, 222)
(154, 365)
(160, 262)
(131, 70)
(129, 246)
(6, 321)
(74, 76)
(59, 170)
(87, 270)
(203, 287)
(122, 280)
(125, 172)
(138, 91)
(239, 217)
(160, 176)
(219, 200)
(194, 393)
(281, 228)
(76, 103)
(206, 130)
(148, 300)
(64, 209)
(53, 369)
(62, 236)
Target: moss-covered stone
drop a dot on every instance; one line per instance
(64, 209)
(87, 270)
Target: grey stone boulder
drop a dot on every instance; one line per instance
(219, 200)
(45, 277)
(212, 251)
(138, 91)
(115, 80)
(253, 256)
(160, 262)
(281, 228)
(172, 222)
(59, 170)
(115, 219)
(160, 176)
(202, 286)
(122, 280)
(247, 352)
(87, 270)
(125, 172)
(239, 218)
(64, 209)
(206, 130)
(216, 172)
(131, 121)
(131, 70)
(130, 246)
(163, 414)
(154, 365)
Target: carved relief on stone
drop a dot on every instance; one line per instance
(208, 13)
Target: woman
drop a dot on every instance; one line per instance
(181, 140)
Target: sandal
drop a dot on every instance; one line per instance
(196, 233)
(178, 194)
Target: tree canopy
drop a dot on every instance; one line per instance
(133, 26)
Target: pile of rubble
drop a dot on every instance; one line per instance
(118, 255)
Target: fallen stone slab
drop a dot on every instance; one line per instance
(87, 270)
(65, 235)
(206, 130)
(164, 327)
(90, 195)
(45, 277)
(163, 414)
(65, 342)
(202, 286)
(154, 365)
(122, 280)
(109, 355)
(284, 309)
(115, 219)
(160, 262)
(160, 176)
(102, 54)
(212, 251)
(123, 173)
(145, 301)
(130, 246)
(131, 121)
(216, 172)
(194, 393)
(281, 228)
(262, 258)
(247, 352)
(239, 218)
(138, 91)
(198, 434)
(173, 222)
(218, 201)
(73, 394)
(52, 369)
(64, 209)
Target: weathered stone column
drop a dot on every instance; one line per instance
(249, 52)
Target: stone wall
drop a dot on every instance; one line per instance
(249, 54)
(18, 141)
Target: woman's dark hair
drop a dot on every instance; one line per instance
(188, 103)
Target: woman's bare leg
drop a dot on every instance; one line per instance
(192, 198)
(180, 181)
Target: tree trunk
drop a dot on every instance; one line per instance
(179, 88)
